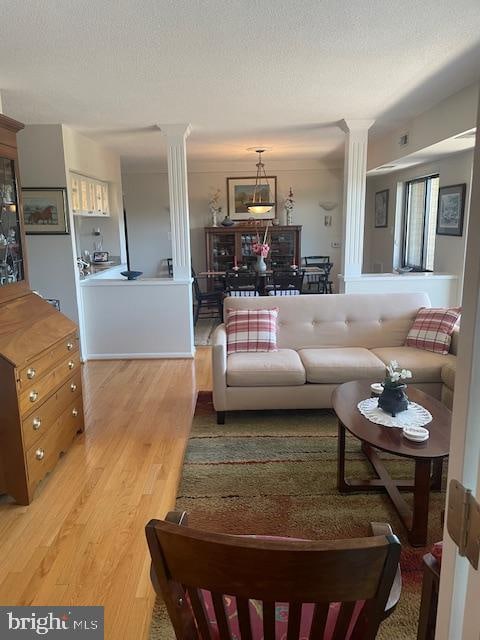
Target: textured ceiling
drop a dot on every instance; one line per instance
(243, 72)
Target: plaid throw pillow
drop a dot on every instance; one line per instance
(432, 329)
(251, 330)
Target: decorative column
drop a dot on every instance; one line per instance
(176, 135)
(354, 187)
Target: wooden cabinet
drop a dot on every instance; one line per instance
(41, 406)
(89, 197)
(225, 244)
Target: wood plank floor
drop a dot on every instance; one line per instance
(82, 539)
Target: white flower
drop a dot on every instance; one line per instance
(405, 373)
(395, 376)
(394, 364)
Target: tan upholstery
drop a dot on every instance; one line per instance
(335, 338)
(327, 366)
(448, 375)
(339, 320)
(425, 365)
(282, 368)
(447, 397)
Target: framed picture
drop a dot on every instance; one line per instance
(240, 191)
(451, 209)
(45, 211)
(381, 209)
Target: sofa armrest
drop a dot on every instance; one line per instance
(219, 367)
(454, 342)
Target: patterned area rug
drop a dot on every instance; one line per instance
(274, 473)
(204, 330)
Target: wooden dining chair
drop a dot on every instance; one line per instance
(241, 284)
(286, 283)
(317, 280)
(210, 302)
(222, 587)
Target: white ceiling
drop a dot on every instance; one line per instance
(243, 72)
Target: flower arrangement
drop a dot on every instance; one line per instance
(289, 205)
(395, 376)
(261, 249)
(214, 207)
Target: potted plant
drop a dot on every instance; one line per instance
(393, 398)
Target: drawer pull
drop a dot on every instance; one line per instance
(33, 396)
(40, 454)
(69, 346)
(71, 364)
(74, 413)
(36, 424)
(73, 387)
(31, 373)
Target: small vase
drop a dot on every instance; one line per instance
(393, 400)
(227, 222)
(261, 266)
(214, 219)
(289, 217)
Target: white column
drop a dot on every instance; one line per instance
(176, 135)
(354, 186)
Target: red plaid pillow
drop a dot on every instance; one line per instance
(432, 329)
(251, 330)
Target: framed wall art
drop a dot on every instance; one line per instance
(381, 209)
(451, 210)
(45, 211)
(240, 191)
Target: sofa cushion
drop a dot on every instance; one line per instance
(448, 375)
(432, 329)
(282, 368)
(425, 366)
(343, 364)
(251, 330)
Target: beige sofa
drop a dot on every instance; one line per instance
(324, 341)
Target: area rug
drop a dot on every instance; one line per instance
(274, 473)
(204, 330)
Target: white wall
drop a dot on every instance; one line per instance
(148, 222)
(456, 114)
(146, 199)
(380, 243)
(51, 268)
(85, 156)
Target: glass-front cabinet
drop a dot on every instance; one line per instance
(11, 250)
(227, 247)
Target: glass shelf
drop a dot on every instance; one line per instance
(11, 254)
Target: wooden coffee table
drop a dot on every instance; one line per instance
(428, 456)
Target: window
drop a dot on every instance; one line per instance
(421, 200)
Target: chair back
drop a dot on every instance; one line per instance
(287, 283)
(314, 261)
(241, 283)
(332, 589)
(196, 287)
(170, 267)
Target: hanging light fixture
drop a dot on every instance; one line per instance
(261, 201)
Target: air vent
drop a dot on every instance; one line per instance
(403, 140)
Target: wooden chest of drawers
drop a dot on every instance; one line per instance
(41, 407)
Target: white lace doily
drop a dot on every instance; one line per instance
(414, 416)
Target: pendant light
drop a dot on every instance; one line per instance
(257, 205)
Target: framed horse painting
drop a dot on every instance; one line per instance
(45, 211)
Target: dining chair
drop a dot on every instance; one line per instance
(314, 280)
(287, 283)
(241, 284)
(225, 587)
(210, 301)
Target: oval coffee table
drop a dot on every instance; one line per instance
(345, 399)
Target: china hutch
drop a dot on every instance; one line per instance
(41, 406)
(227, 247)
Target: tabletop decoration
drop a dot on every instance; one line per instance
(261, 250)
(393, 398)
(214, 206)
(289, 205)
(414, 416)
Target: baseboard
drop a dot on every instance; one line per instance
(139, 356)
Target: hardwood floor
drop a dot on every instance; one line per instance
(82, 539)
